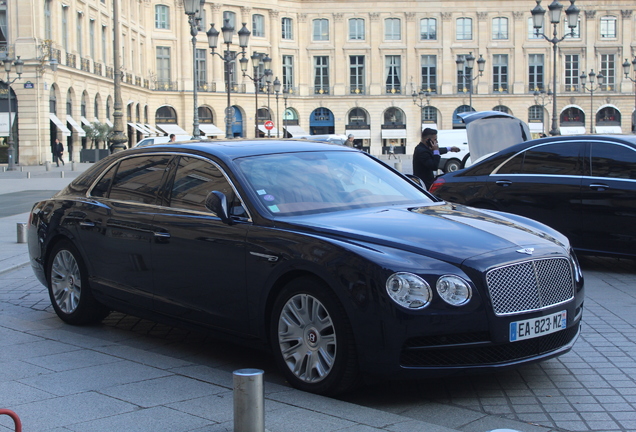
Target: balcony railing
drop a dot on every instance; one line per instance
(322, 90)
(71, 60)
(97, 68)
(85, 64)
(393, 89)
(109, 72)
(206, 87)
(358, 90)
(166, 85)
(499, 89)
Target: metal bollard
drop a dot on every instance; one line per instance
(249, 405)
(22, 232)
(28, 174)
(48, 165)
(72, 166)
(62, 174)
(398, 166)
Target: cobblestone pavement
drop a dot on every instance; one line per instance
(592, 388)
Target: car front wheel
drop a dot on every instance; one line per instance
(452, 165)
(312, 339)
(69, 289)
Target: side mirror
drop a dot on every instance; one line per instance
(415, 179)
(216, 202)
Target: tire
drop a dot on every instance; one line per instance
(452, 165)
(312, 339)
(69, 289)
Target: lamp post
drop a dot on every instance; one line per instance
(228, 57)
(268, 81)
(277, 90)
(626, 72)
(285, 96)
(19, 66)
(117, 137)
(542, 96)
(256, 78)
(465, 68)
(192, 10)
(591, 89)
(538, 16)
(419, 98)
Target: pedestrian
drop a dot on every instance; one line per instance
(349, 141)
(392, 149)
(59, 152)
(427, 155)
(173, 138)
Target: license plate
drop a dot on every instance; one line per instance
(535, 327)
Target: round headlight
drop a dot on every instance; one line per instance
(409, 290)
(454, 290)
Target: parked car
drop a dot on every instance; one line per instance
(338, 263)
(583, 186)
(452, 161)
(160, 140)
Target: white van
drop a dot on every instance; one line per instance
(453, 137)
(160, 140)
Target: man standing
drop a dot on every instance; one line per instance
(59, 152)
(427, 155)
(349, 141)
(173, 138)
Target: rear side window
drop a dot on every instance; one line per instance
(613, 161)
(550, 159)
(138, 179)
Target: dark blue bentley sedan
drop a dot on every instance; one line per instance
(338, 264)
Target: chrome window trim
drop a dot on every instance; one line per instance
(172, 154)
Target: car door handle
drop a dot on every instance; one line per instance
(503, 183)
(87, 224)
(599, 186)
(162, 234)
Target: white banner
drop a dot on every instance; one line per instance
(4, 123)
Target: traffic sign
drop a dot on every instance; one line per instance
(269, 125)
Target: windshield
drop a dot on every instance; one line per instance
(316, 182)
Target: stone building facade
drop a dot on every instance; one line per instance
(345, 66)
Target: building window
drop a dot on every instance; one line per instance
(392, 29)
(429, 73)
(163, 68)
(356, 75)
(535, 72)
(393, 68)
(532, 32)
(321, 75)
(162, 17)
(429, 114)
(288, 72)
(428, 29)
(258, 25)
(47, 20)
(535, 114)
(201, 68)
(356, 29)
(500, 73)
(321, 29)
(80, 37)
(65, 27)
(91, 33)
(464, 29)
(104, 45)
(572, 72)
(608, 69)
(463, 81)
(608, 27)
(500, 28)
(287, 31)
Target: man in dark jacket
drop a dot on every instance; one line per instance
(427, 155)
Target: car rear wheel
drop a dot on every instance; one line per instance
(69, 289)
(312, 339)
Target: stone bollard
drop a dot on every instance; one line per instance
(48, 165)
(62, 174)
(249, 404)
(28, 174)
(72, 166)
(398, 165)
(22, 232)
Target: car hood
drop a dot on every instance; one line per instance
(491, 131)
(449, 232)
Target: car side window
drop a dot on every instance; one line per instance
(138, 179)
(613, 161)
(194, 180)
(550, 159)
(103, 186)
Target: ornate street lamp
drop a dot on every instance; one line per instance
(228, 57)
(626, 72)
(268, 81)
(540, 97)
(117, 137)
(257, 59)
(591, 89)
(277, 90)
(465, 68)
(19, 67)
(538, 16)
(193, 11)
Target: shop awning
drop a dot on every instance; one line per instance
(272, 133)
(85, 121)
(137, 128)
(75, 126)
(429, 125)
(4, 123)
(144, 128)
(210, 129)
(61, 126)
(171, 128)
(154, 130)
(608, 130)
(295, 130)
(393, 133)
(572, 130)
(536, 127)
(108, 122)
(359, 133)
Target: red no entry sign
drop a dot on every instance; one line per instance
(269, 125)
